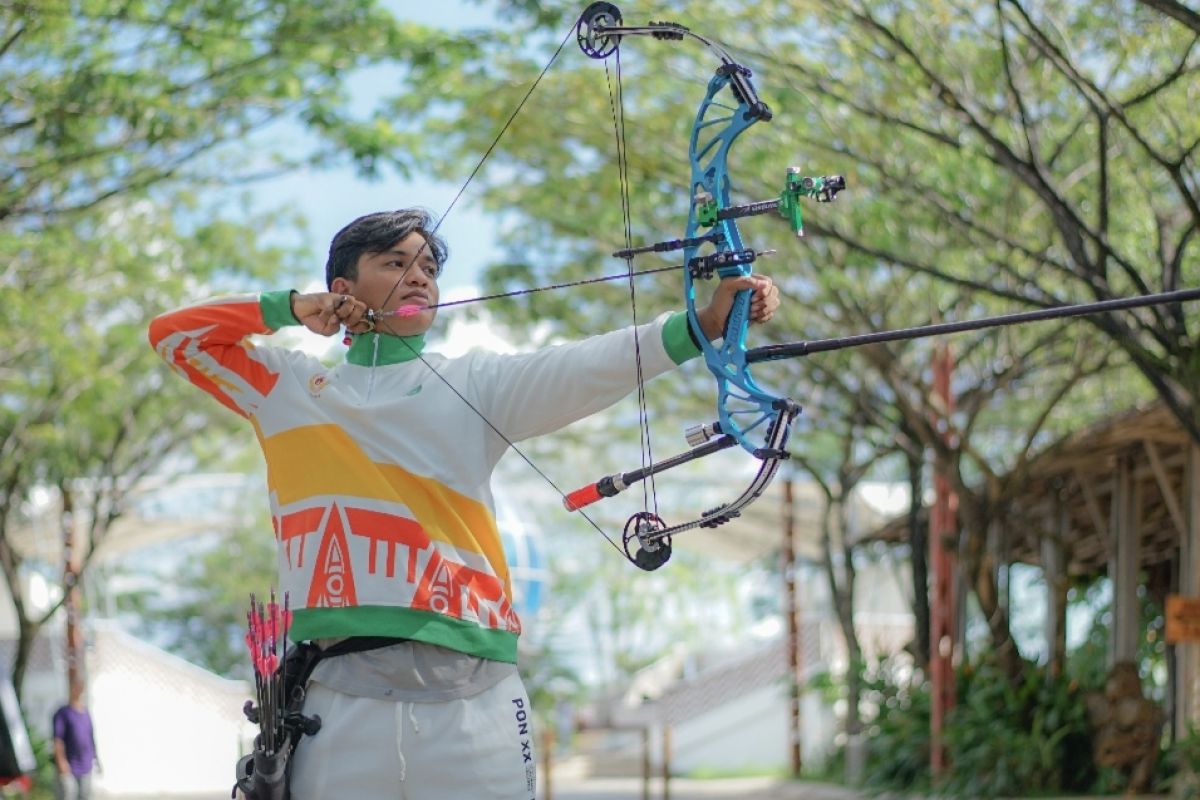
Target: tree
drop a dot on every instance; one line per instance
(115, 112)
(87, 410)
(1039, 154)
(853, 458)
(115, 97)
(204, 619)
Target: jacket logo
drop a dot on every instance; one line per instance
(333, 578)
(316, 383)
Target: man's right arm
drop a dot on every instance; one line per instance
(208, 344)
(60, 757)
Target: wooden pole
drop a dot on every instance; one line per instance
(942, 529)
(666, 761)
(647, 768)
(547, 757)
(788, 567)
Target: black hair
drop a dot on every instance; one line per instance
(375, 233)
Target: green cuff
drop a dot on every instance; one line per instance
(677, 338)
(276, 309)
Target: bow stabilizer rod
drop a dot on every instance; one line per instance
(612, 485)
(777, 352)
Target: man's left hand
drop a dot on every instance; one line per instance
(763, 303)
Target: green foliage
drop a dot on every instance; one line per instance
(44, 776)
(898, 735)
(1088, 664)
(1183, 762)
(1003, 738)
(1011, 738)
(203, 617)
(118, 97)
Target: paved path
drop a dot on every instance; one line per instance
(631, 789)
(681, 789)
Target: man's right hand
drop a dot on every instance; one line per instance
(326, 312)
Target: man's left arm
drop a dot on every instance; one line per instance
(538, 393)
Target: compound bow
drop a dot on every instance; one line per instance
(749, 415)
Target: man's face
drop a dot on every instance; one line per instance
(376, 285)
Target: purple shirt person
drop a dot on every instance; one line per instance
(74, 749)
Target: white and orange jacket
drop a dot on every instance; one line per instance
(379, 475)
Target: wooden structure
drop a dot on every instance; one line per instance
(1123, 498)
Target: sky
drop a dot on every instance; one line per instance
(330, 198)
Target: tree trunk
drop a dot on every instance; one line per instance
(27, 633)
(841, 587)
(918, 539)
(981, 569)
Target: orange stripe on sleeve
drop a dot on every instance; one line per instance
(207, 345)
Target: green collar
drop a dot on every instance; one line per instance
(392, 349)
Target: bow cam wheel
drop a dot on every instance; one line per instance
(590, 30)
(648, 552)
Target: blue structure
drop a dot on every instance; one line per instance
(525, 547)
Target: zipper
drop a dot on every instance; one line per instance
(374, 363)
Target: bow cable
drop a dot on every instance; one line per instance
(616, 101)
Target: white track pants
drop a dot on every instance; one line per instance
(477, 748)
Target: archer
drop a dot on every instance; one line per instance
(379, 473)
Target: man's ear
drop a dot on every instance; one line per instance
(340, 285)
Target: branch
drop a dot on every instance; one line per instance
(1176, 11)
(1094, 94)
(11, 40)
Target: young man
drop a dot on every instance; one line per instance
(378, 473)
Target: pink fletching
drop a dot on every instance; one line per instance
(408, 311)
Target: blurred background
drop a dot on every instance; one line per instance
(978, 574)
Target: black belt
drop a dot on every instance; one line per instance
(360, 644)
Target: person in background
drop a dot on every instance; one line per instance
(74, 749)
